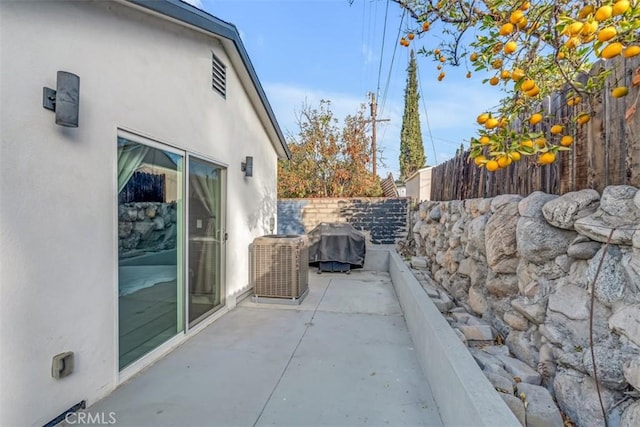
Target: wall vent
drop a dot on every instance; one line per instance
(218, 75)
(281, 266)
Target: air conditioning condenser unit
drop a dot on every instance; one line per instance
(280, 268)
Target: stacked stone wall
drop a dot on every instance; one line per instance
(526, 267)
(146, 227)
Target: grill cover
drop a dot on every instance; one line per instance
(338, 242)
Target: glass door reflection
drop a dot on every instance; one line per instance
(150, 285)
(205, 206)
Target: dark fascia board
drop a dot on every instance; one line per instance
(191, 15)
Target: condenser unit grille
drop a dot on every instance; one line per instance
(280, 266)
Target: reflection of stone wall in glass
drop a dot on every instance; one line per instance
(146, 227)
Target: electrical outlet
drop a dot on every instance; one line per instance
(62, 365)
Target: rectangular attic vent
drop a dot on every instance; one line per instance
(218, 75)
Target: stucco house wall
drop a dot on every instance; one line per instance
(418, 185)
(139, 72)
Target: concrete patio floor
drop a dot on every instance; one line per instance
(343, 357)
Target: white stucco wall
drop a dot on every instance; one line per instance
(58, 283)
(418, 186)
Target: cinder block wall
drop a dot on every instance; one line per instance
(383, 220)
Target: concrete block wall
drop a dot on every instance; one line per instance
(383, 220)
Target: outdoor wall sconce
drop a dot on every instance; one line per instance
(247, 166)
(64, 100)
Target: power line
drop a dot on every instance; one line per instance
(393, 57)
(384, 33)
(448, 140)
(363, 55)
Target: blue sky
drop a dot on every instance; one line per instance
(307, 50)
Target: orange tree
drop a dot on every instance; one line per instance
(326, 160)
(532, 49)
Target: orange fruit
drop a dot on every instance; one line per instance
(566, 140)
(505, 75)
(468, 74)
(436, 52)
(535, 119)
(547, 158)
(612, 50)
(573, 101)
(583, 118)
(517, 74)
(556, 129)
(620, 7)
(474, 56)
(504, 161)
(607, 33)
(510, 47)
(585, 11)
(528, 85)
(442, 59)
(590, 27)
(527, 144)
(631, 51)
(575, 28)
(604, 12)
(560, 55)
(479, 160)
(492, 166)
(522, 23)
(425, 26)
(525, 5)
(515, 156)
(533, 92)
(497, 64)
(482, 118)
(572, 43)
(491, 123)
(410, 36)
(620, 91)
(484, 140)
(506, 29)
(494, 81)
(516, 16)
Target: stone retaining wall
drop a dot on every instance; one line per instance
(146, 227)
(525, 266)
(384, 220)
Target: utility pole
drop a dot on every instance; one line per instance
(373, 120)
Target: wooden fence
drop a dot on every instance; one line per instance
(606, 150)
(143, 187)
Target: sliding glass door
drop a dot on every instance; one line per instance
(150, 250)
(158, 252)
(205, 222)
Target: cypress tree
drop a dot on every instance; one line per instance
(412, 155)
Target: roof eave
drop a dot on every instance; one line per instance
(191, 15)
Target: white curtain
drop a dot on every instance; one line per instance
(207, 189)
(129, 158)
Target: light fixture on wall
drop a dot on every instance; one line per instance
(64, 100)
(247, 166)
